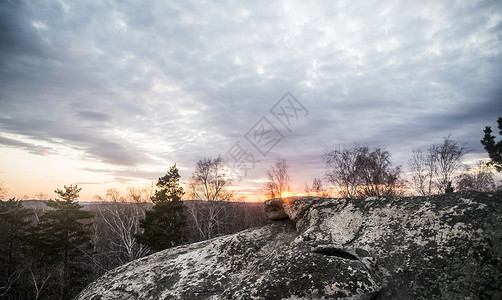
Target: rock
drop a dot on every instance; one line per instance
(254, 264)
(274, 209)
(291, 207)
(445, 246)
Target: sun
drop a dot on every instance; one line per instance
(291, 194)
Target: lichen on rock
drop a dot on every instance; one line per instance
(443, 246)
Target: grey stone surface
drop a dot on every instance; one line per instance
(438, 247)
(274, 209)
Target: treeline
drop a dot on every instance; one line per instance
(360, 171)
(54, 252)
(47, 255)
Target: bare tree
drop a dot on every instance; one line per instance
(148, 191)
(447, 156)
(42, 196)
(342, 170)
(3, 191)
(423, 171)
(209, 180)
(207, 219)
(117, 223)
(137, 195)
(433, 171)
(211, 207)
(362, 172)
(477, 178)
(277, 179)
(39, 284)
(377, 174)
(316, 189)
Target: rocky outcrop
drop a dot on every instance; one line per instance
(445, 246)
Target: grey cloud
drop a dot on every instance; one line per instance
(129, 174)
(92, 142)
(35, 149)
(93, 116)
(114, 79)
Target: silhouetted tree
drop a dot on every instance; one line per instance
(433, 171)
(377, 174)
(342, 170)
(62, 242)
(316, 189)
(163, 225)
(478, 178)
(493, 148)
(448, 158)
(209, 180)
(423, 171)
(363, 172)
(277, 179)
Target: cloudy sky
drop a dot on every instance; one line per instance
(111, 93)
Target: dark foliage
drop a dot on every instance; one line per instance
(14, 226)
(493, 148)
(163, 226)
(61, 245)
(47, 253)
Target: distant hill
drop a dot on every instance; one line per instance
(40, 204)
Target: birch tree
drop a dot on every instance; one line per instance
(209, 184)
(433, 171)
(277, 179)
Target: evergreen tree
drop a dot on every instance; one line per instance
(14, 227)
(63, 241)
(163, 226)
(494, 149)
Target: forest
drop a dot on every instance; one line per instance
(54, 248)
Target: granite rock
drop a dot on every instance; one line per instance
(444, 246)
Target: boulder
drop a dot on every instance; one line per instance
(444, 246)
(290, 207)
(274, 209)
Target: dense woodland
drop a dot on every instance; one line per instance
(52, 249)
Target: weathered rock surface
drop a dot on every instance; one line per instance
(445, 246)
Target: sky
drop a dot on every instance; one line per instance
(110, 94)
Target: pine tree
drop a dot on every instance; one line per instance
(63, 241)
(14, 227)
(163, 226)
(494, 149)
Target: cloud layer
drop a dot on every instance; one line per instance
(138, 86)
